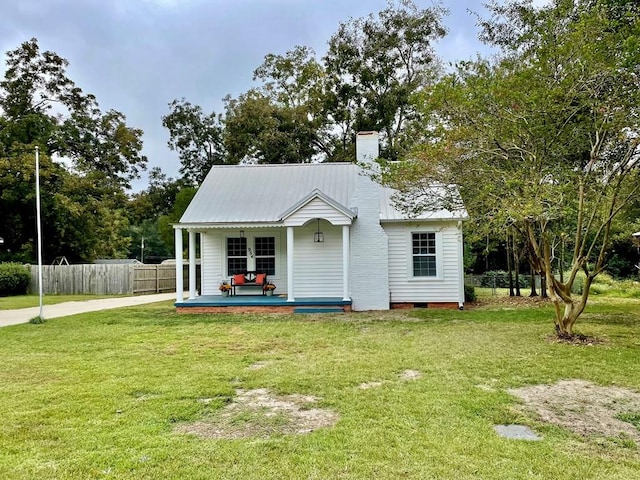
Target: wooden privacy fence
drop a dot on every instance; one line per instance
(154, 278)
(95, 279)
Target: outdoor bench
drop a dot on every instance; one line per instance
(248, 279)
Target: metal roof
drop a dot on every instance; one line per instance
(389, 212)
(261, 193)
(254, 194)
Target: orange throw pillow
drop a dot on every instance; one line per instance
(260, 277)
(238, 279)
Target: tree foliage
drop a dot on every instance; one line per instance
(196, 137)
(375, 64)
(307, 109)
(83, 212)
(544, 137)
(282, 120)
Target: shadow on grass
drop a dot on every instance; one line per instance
(620, 319)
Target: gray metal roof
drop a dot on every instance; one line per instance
(261, 193)
(390, 213)
(258, 194)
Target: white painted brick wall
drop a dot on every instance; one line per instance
(369, 278)
(367, 146)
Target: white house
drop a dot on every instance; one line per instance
(319, 231)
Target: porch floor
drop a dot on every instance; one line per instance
(259, 303)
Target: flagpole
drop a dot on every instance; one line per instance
(39, 224)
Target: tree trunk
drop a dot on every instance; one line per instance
(543, 286)
(509, 268)
(516, 267)
(532, 281)
(567, 307)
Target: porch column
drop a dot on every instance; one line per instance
(345, 262)
(290, 239)
(179, 283)
(461, 267)
(192, 264)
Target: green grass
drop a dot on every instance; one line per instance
(25, 301)
(488, 292)
(98, 395)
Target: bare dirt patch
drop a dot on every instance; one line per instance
(506, 301)
(409, 375)
(259, 413)
(576, 339)
(584, 408)
(368, 385)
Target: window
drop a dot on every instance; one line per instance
(424, 254)
(266, 255)
(236, 255)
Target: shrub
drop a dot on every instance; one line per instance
(14, 279)
(605, 285)
(470, 293)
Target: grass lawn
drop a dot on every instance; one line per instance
(100, 395)
(26, 301)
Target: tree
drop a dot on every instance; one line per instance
(544, 137)
(34, 82)
(282, 120)
(156, 200)
(183, 198)
(82, 206)
(260, 131)
(374, 66)
(196, 137)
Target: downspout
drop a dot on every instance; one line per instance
(461, 270)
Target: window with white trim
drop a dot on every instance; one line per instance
(236, 255)
(424, 254)
(266, 255)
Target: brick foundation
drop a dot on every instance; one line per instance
(251, 309)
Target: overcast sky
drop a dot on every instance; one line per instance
(136, 56)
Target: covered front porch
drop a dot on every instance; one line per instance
(305, 253)
(262, 304)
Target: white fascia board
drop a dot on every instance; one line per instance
(207, 226)
(321, 196)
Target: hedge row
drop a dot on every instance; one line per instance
(14, 279)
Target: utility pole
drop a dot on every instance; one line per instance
(39, 225)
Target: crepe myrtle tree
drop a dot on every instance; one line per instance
(543, 137)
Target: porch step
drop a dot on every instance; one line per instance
(318, 310)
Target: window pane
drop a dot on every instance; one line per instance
(236, 265)
(265, 246)
(424, 243)
(236, 247)
(267, 265)
(424, 266)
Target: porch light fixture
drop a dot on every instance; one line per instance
(318, 237)
(241, 233)
(1, 240)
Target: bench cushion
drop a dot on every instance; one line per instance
(260, 277)
(238, 279)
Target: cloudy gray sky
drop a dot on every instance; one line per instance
(138, 55)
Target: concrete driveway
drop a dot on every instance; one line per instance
(23, 315)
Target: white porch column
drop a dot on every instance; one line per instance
(192, 265)
(461, 267)
(179, 283)
(345, 262)
(290, 239)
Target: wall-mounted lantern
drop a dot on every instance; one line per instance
(318, 237)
